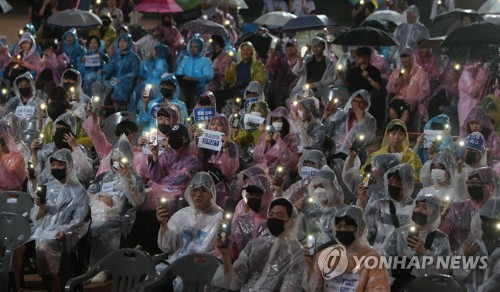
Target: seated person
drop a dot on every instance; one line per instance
(72, 48)
(25, 58)
(239, 75)
(15, 131)
(437, 123)
(306, 120)
(12, 171)
(25, 95)
(266, 263)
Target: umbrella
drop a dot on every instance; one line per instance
(365, 36)
(205, 27)
(447, 22)
(5, 6)
(493, 18)
(374, 23)
(276, 18)
(241, 4)
(388, 15)
(490, 7)
(475, 34)
(74, 18)
(158, 6)
(309, 22)
(432, 42)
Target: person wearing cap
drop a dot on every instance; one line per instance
(444, 140)
(427, 241)
(409, 33)
(349, 230)
(315, 70)
(408, 86)
(474, 154)
(267, 263)
(242, 179)
(396, 142)
(106, 32)
(219, 58)
(12, 173)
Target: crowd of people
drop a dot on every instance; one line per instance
(264, 161)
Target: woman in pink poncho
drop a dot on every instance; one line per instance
(471, 87)
(218, 56)
(25, 53)
(280, 147)
(4, 53)
(12, 173)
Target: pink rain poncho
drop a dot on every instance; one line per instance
(103, 148)
(4, 56)
(429, 62)
(219, 64)
(242, 181)
(31, 59)
(470, 88)
(56, 63)
(414, 88)
(281, 152)
(12, 173)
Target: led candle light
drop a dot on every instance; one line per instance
(231, 53)
(457, 67)
(43, 106)
(94, 103)
(340, 67)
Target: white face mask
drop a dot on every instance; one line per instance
(320, 193)
(438, 175)
(278, 125)
(307, 172)
(301, 113)
(256, 114)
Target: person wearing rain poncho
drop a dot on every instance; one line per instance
(91, 66)
(253, 93)
(278, 147)
(109, 196)
(478, 121)
(396, 142)
(239, 75)
(12, 165)
(165, 117)
(267, 263)
(169, 92)
(242, 180)
(194, 69)
(316, 71)
(4, 54)
(106, 32)
(64, 137)
(426, 240)
(309, 165)
(333, 119)
(492, 278)
(66, 204)
(445, 140)
(349, 230)
(306, 120)
(409, 33)
(26, 102)
(470, 154)
(71, 80)
(152, 69)
(123, 68)
(392, 211)
(15, 130)
(25, 58)
(219, 58)
(484, 243)
(491, 105)
(324, 200)
(456, 222)
(72, 48)
(222, 165)
(373, 179)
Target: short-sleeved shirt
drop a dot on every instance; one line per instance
(356, 81)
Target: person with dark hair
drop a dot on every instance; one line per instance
(72, 48)
(25, 98)
(363, 75)
(94, 60)
(72, 81)
(53, 64)
(306, 120)
(219, 58)
(280, 76)
(267, 263)
(106, 32)
(361, 11)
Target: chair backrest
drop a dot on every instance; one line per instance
(16, 202)
(128, 268)
(196, 270)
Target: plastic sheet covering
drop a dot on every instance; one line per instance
(15, 130)
(12, 172)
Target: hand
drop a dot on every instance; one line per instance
(224, 140)
(143, 140)
(417, 245)
(360, 114)
(471, 249)
(353, 153)
(225, 251)
(35, 145)
(420, 140)
(42, 115)
(262, 128)
(193, 128)
(460, 164)
(39, 203)
(162, 215)
(365, 74)
(101, 72)
(362, 196)
(123, 169)
(154, 151)
(61, 236)
(71, 140)
(106, 200)
(299, 203)
(198, 132)
(400, 80)
(269, 137)
(277, 136)
(145, 96)
(76, 97)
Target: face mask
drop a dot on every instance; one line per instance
(25, 91)
(278, 125)
(419, 218)
(2, 143)
(176, 142)
(394, 192)
(476, 193)
(320, 193)
(254, 204)
(275, 226)
(59, 137)
(256, 114)
(59, 174)
(164, 129)
(345, 237)
(167, 93)
(470, 158)
(438, 175)
(307, 172)
(301, 113)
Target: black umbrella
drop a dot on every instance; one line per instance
(447, 22)
(309, 22)
(475, 34)
(260, 41)
(374, 23)
(137, 32)
(365, 36)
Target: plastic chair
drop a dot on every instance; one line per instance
(16, 202)
(128, 268)
(14, 230)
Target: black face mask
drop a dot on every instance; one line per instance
(345, 237)
(175, 142)
(275, 226)
(25, 91)
(419, 218)
(470, 157)
(59, 174)
(167, 93)
(59, 137)
(476, 193)
(164, 129)
(254, 204)
(394, 192)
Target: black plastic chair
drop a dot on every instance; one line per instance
(16, 202)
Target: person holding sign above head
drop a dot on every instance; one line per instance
(221, 164)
